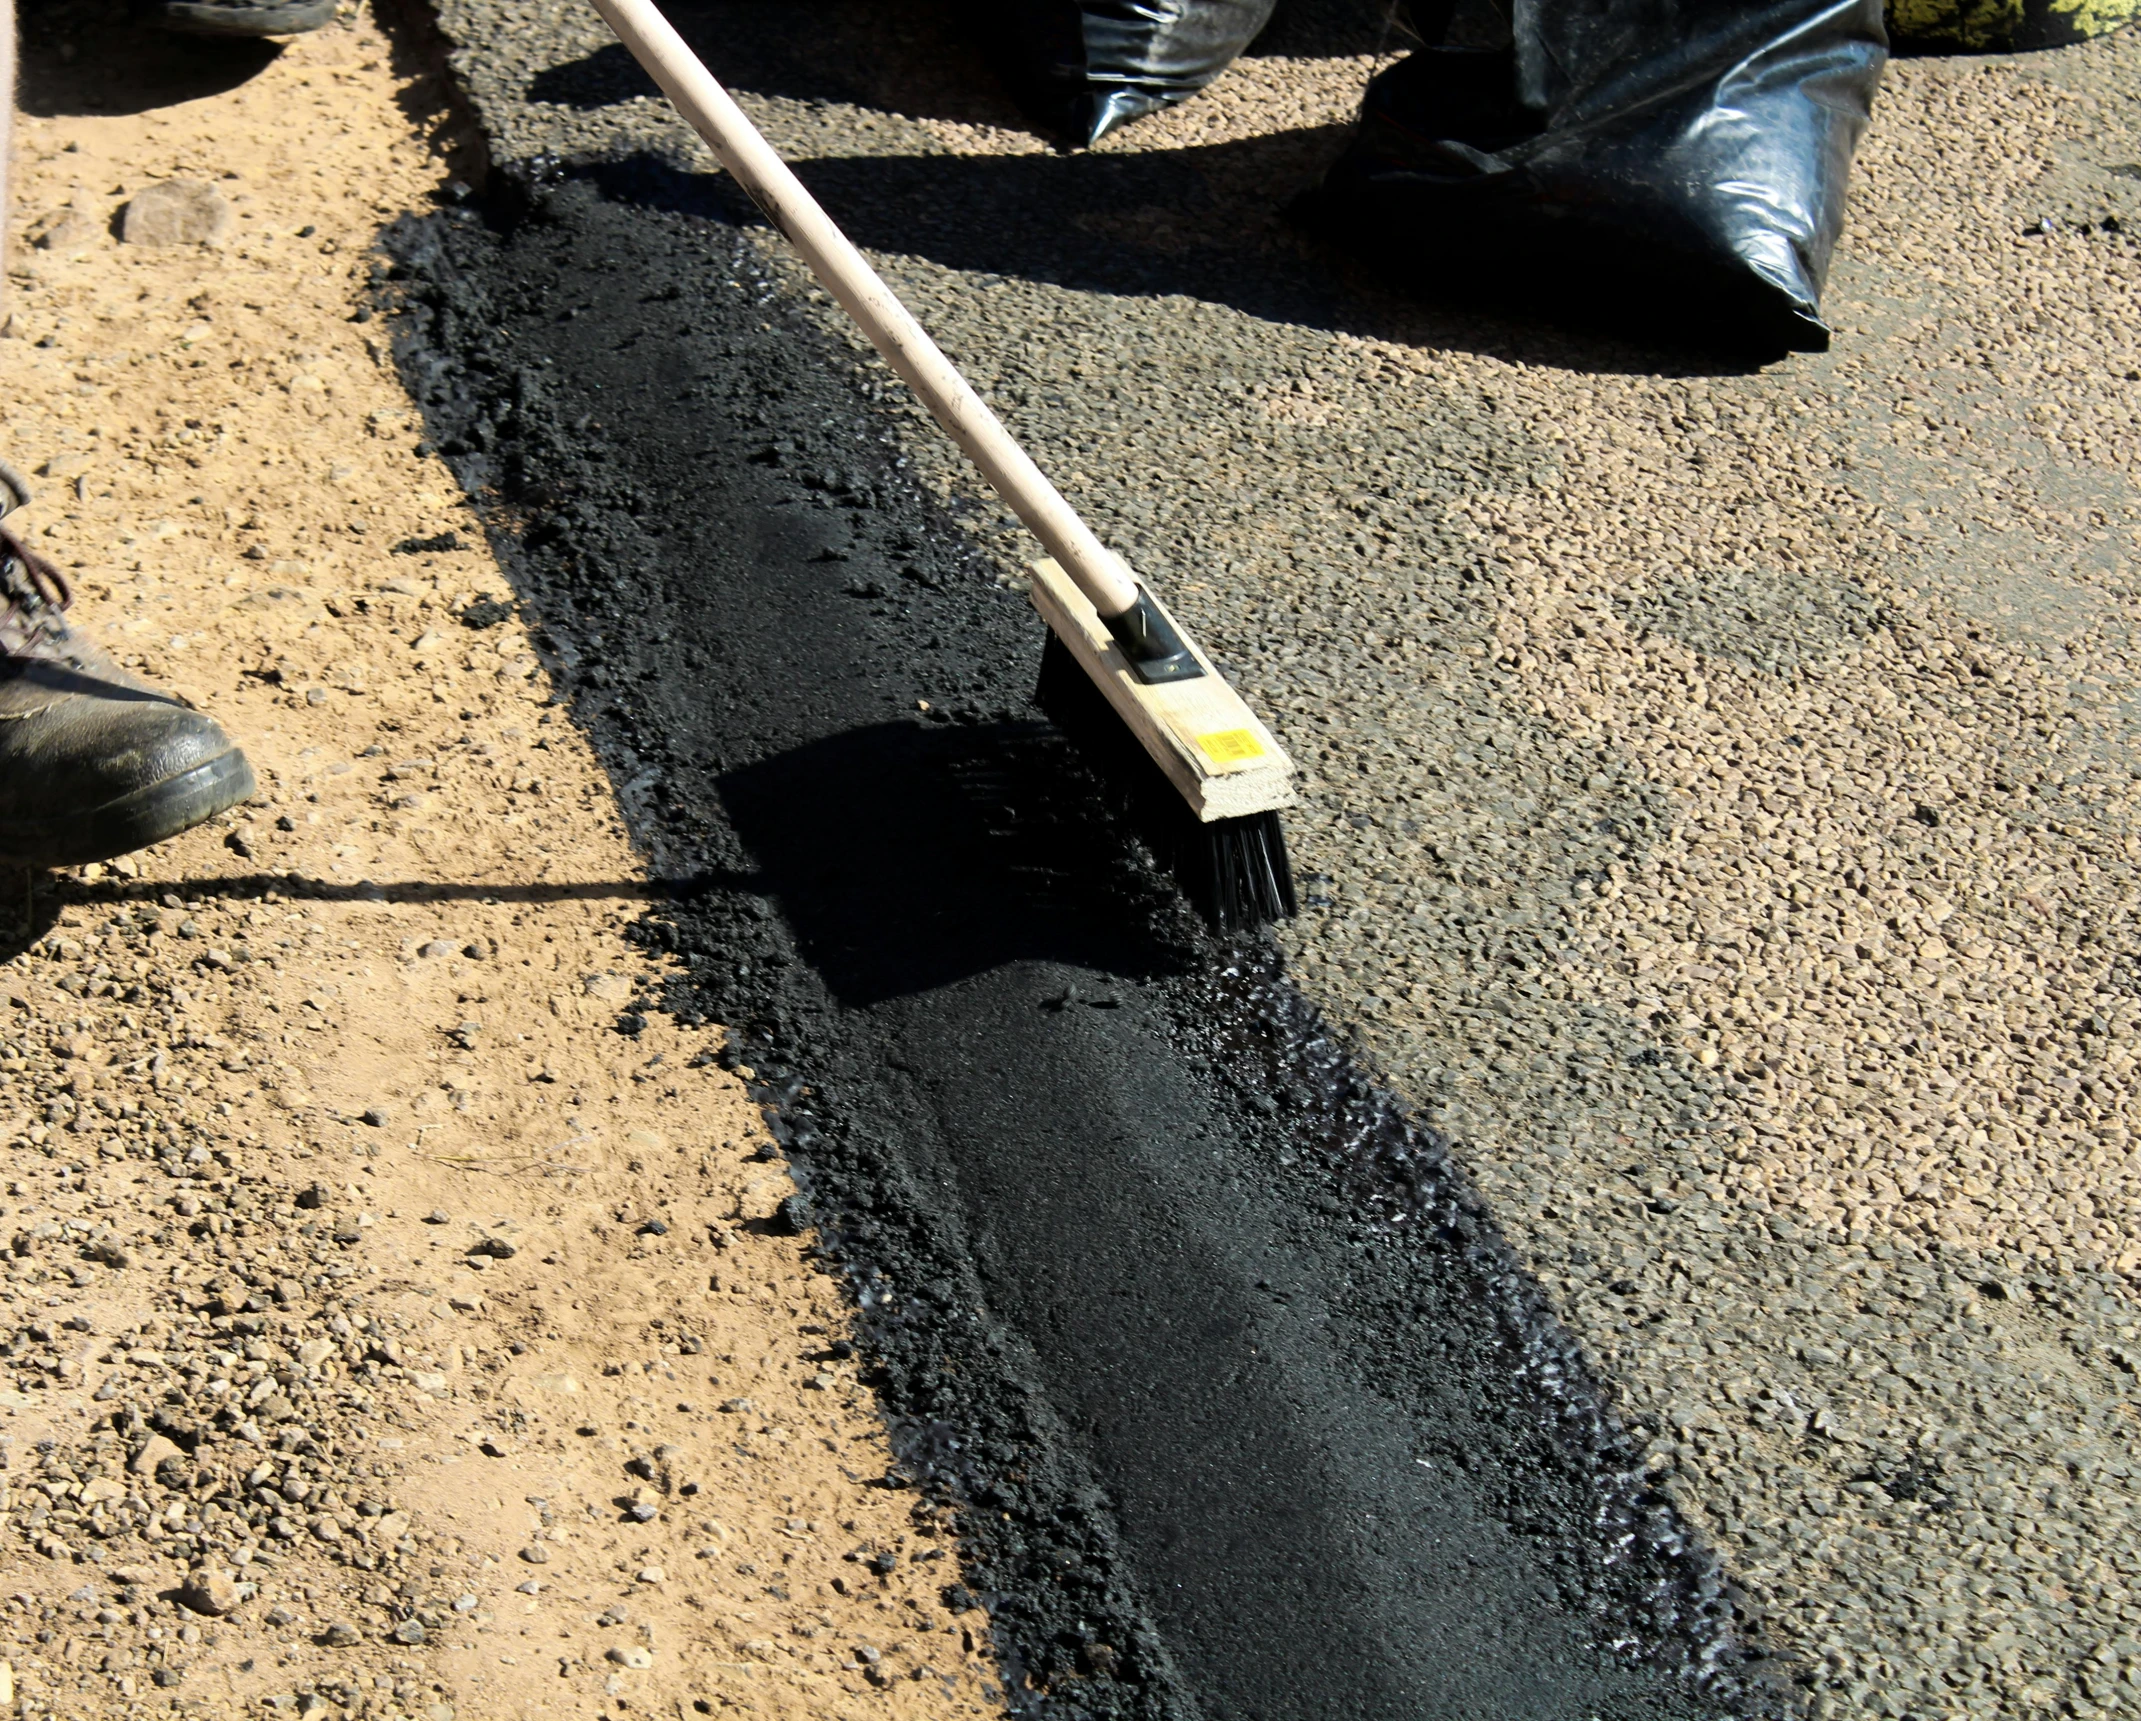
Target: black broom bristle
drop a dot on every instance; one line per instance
(1234, 871)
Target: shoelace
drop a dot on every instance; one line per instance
(28, 579)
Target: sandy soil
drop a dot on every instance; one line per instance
(383, 1267)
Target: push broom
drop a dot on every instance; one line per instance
(1203, 776)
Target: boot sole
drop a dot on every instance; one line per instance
(151, 815)
(292, 19)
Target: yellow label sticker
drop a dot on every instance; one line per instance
(1226, 746)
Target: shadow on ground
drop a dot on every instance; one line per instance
(99, 57)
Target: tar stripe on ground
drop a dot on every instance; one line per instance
(1250, 1414)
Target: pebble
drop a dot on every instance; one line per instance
(175, 212)
(154, 1451)
(211, 1592)
(629, 1656)
(536, 1554)
(66, 230)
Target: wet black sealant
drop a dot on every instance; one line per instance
(1244, 1408)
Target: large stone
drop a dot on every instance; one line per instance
(175, 212)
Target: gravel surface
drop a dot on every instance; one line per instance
(392, 1324)
(1721, 782)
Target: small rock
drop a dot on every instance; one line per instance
(154, 1452)
(340, 1635)
(376, 1116)
(409, 1631)
(64, 231)
(643, 1511)
(629, 1657)
(436, 948)
(211, 1592)
(175, 212)
(497, 1248)
(438, 1216)
(651, 1574)
(536, 1554)
(313, 1196)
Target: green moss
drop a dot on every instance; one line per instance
(2002, 26)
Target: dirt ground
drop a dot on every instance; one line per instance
(400, 1318)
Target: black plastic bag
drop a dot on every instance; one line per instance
(1680, 164)
(1084, 67)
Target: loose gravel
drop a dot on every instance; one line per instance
(1720, 789)
(393, 1323)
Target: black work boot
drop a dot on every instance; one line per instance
(93, 761)
(244, 17)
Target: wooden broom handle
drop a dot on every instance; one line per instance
(892, 329)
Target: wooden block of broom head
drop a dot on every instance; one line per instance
(1200, 732)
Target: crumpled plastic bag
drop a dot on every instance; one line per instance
(1678, 164)
(1084, 67)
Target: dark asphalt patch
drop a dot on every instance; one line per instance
(1244, 1406)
